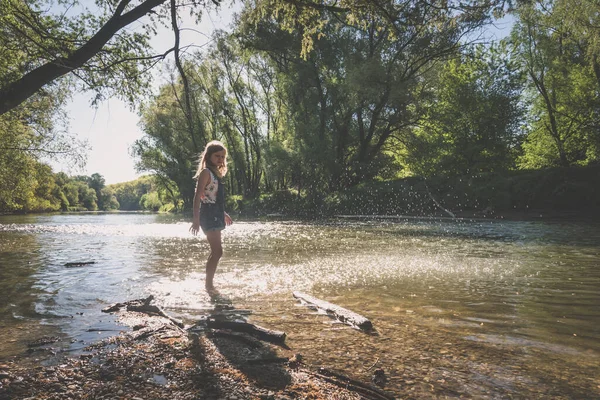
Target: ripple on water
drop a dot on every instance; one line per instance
(518, 284)
(515, 341)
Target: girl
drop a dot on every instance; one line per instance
(209, 204)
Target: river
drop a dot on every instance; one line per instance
(530, 289)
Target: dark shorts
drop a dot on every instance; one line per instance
(212, 217)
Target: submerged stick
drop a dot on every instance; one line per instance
(357, 386)
(79, 263)
(342, 314)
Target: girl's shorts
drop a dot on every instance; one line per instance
(212, 217)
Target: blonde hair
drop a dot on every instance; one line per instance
(204, 159)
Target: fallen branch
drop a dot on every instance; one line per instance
(239, 336)
(374, 364)
(143, 306)
(149, 332)
(342, 314)
(274, 360)
(346, 382)
(255, 330)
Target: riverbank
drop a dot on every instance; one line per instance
(156, 359)
(153, 358)
(518, 195)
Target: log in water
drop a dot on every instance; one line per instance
(344, 315)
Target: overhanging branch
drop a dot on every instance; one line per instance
(18, 91)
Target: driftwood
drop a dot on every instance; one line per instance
(79, 264)
(342, 314)
(260, 332)
(143, 306)
(242, 337)
(270, 360)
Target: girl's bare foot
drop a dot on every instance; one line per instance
(212, 291)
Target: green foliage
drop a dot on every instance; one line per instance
(429, 25)
(471, 117)
(168, 149)
(129, 194)
(43, 198)
(233, 203)
(322, 106)
(42, 33)
(564, 86)
(150, 201)
(358, 90)
(107, 201)
(29, 135)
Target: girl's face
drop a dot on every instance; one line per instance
(218, 158)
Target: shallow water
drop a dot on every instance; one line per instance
(532, 284)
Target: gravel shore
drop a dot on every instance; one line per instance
(157, 359)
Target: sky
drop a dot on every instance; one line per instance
(112, 127)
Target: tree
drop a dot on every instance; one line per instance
(43, 198)
(241, 111)
(29, 136)
(472, 116)
(108, 200)
(312, 19)
(580, 23)
(97, 182)
(47, 39)
(167, 150)
(87, 197)
(563, 90)
(150, 201)
(128, 194)
(336, 106)
(357, 88)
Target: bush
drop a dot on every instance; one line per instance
(558, 189)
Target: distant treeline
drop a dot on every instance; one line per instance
(49, 192)
(558, 190)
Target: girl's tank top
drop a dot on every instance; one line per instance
(211, 189)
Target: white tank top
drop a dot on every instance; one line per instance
(210, 190)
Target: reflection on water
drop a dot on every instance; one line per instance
(530, 284)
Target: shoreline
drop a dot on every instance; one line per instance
(153, 358)
(463, 215)
(156, 359)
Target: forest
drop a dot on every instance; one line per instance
(346, 107)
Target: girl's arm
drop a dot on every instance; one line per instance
(228, 220)
(198, 197)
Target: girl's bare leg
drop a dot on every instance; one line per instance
(216, 251)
